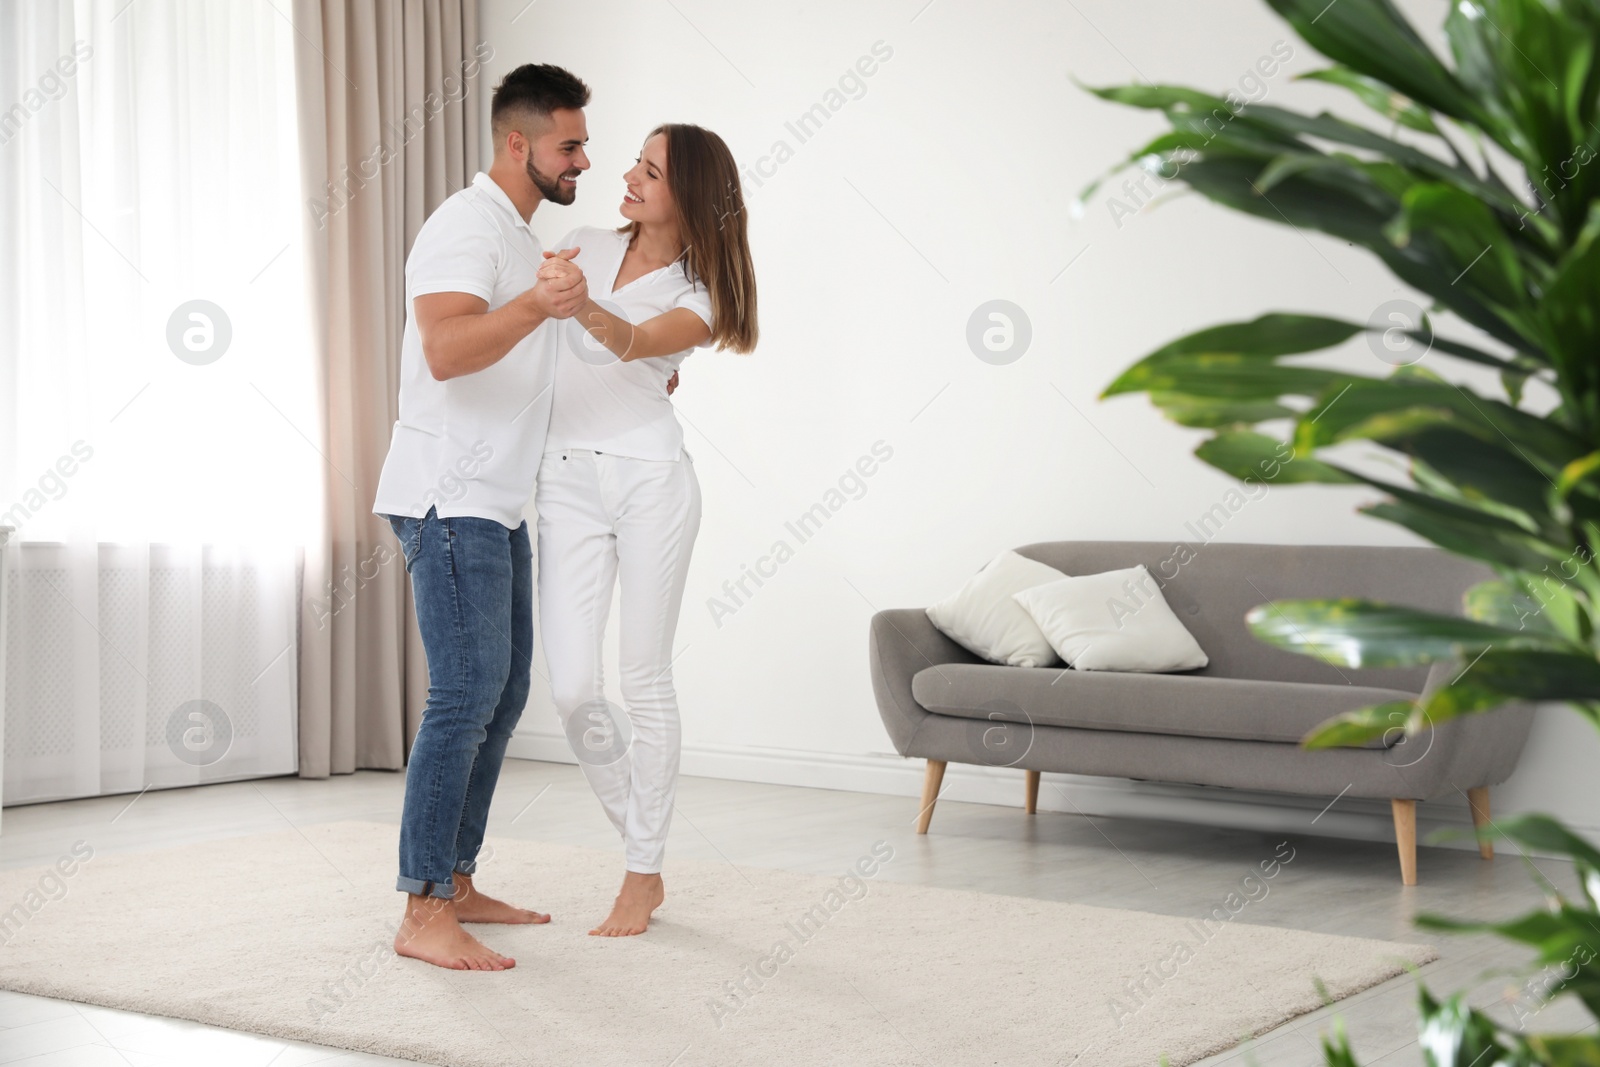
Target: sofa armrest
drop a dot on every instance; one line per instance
(900, 643)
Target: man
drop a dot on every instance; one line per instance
(476, 368)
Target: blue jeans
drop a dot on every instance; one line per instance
(472, 581)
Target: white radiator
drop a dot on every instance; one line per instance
(128, 667)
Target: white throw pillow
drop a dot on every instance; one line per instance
(1116, 621)
(983, 618)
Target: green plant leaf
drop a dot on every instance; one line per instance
(1371, 37)
(1213, 412)
(1578, 472)
(1255, 457)
(1366, 633)
(1494, 677)
(1466, 532)
(1470, 531)
(1336, 1050)
(1487, 475)
(1452, 1034)
(1510, 604)
(1528, 672)
(1357, 410)
(1264, 338)
(1467, 237)
(1347, 213)
(1362, 725)
(1466, 352)
(1285, 123)
(1532, 65)
(1380, 183)
(1570, 321)
(1562, 935)
(1564, 1050)
(1378, 96)
(1158, 148)
(1224, 376)
(1550, 835)
(1410, 718)
(1163, 98)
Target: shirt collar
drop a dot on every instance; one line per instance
(492, 189)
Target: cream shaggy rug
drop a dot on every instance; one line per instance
(289, 934)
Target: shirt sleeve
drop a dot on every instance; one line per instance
(456, 251)
(698, 300)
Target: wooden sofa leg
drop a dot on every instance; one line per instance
(1478, 801)
(932, 779)
(1031, 804)
(1405, 838)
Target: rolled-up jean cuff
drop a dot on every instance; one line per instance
(467, 867)
(421, 888)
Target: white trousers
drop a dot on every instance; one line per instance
(603, 518)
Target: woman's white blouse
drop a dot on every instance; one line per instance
(601, 402)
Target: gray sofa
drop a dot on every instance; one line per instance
(1237, 722)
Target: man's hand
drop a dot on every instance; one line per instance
(672, 383)
(561, 288)
(560, 265)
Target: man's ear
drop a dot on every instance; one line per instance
(515, 141)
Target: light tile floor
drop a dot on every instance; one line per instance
(1173, 868)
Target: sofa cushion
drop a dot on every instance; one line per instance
(1185, 705)
(982, 618)
(1112, 621)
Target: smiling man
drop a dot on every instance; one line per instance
(476, 368)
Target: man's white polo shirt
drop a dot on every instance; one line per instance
(471, 445)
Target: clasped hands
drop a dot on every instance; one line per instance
(561, 289)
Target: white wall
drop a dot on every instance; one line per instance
(949, 182)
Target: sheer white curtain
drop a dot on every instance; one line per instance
(156, 401)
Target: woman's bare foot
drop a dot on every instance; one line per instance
(431, 933)
(641, 894)
(473, 906)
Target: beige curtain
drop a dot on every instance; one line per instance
(390, 100)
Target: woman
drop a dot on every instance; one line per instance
(617, 495)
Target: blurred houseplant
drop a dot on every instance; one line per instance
(1484, 195)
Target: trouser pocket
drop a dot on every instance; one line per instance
(408, 531)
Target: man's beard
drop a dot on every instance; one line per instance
(550, 188)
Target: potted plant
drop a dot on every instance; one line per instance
(1483, 194)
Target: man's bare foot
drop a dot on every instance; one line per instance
(641, 894)
(472, 906)
(431, 933)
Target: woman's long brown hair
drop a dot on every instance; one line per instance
(711, 222)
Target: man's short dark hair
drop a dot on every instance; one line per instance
(534, 89)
